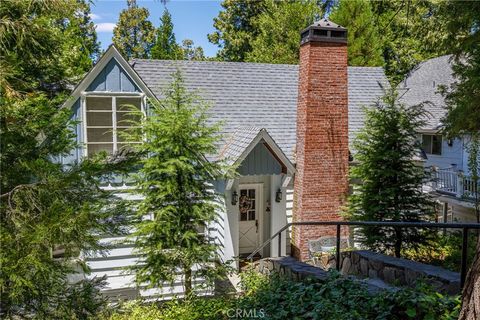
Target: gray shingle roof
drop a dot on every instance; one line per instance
(236, 144)
(422, 85)
(257, 94)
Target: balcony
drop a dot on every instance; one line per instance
(454, 183)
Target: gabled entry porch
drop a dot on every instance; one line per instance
(255, 201)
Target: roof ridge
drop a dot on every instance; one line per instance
(210, 61)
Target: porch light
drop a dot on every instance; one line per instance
(234, 198)
(278, 196)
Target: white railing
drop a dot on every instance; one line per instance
(455, 183)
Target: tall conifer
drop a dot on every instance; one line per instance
(134, 33)
(390, 182)
(175, 180)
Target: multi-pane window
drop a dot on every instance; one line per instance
(432, 143)
(247, 205)
(106, 118)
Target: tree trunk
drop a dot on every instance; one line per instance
(188, 281)
(471, 291)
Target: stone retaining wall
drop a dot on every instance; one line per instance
(392, 270)
(297, 271)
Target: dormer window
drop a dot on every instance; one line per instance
(106, 117)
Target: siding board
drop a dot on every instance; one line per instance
(114, 79)
(260, 162)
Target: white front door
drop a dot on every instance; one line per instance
(249, 205)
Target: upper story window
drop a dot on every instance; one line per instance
(106, 118)
(432, 143)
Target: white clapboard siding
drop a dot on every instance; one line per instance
(289, 209)
(115, 263)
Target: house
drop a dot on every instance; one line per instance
(452, 187)
(287, 127)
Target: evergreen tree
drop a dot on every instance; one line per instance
(279, 30)
(134, 34)
(364, 45)
(81, 40)
(235, 29)
(190, 52)
(461, 20)
(37, 42)
(165, 46)
(390, 187)
(175, 180)
(409, 33)
(46, 207)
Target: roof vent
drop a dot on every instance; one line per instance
(324, 31)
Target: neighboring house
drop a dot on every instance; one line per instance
(447, 158)
(287, 127)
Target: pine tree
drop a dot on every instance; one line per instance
(45, 206)
(390, 180)
(409, 33)
(364, 45)
(235, 28)
(134, 34)
(190, 52)
(461, 19)
(165, 46)
(175, 181)
(279, 30)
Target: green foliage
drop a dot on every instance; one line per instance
(134, 34)
(44, 45)
(235, 28)
(190, 52)
(389, 180)
(45, 207)
(279, 30)
(278, 298)
(364, 47)
(49, 211)
(462, 19)
(197, 308)
(165, 46)
(262, 31)
(176, 179)
(447, 253)
(409, 33)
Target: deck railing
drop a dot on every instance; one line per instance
(454, 183)
(463, 226)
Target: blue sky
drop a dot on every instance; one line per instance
(192, 19)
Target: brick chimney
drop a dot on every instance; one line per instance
(321, 181)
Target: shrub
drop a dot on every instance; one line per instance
(447, 253)
(275, 297)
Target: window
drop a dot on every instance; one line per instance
(247, 205)
(432, 143)
(106, 118)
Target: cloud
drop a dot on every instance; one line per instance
(94, 16)
(105, 27)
